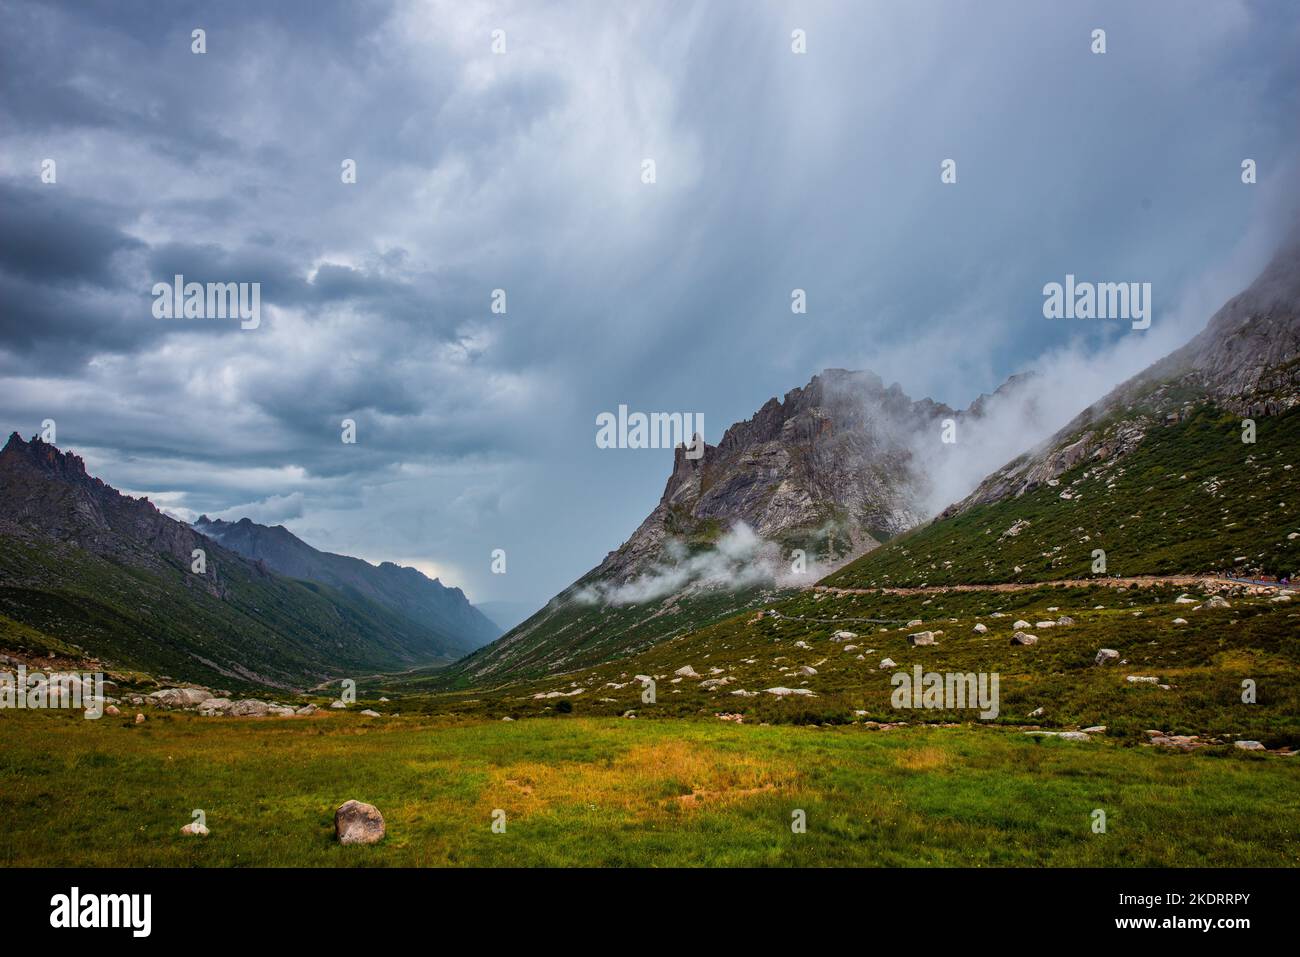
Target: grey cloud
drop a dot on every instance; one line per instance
(521, 172)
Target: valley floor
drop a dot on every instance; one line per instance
(606, 791)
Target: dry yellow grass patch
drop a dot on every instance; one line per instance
(923, 759)
(643, 779)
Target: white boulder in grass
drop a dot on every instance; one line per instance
(921, 638)
(843, 636)
(356, 822)
(180, 697)
(686, 671)
(250, 708)
(1021, 638)
(981, 628)
(1021, 624)
(1106, 656)
(887, 663)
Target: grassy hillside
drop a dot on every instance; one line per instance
(266, 630)
(615, 793)
(572, 634)
(1192, 498)
(1203, 663)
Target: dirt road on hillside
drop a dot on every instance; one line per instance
(1142, 581)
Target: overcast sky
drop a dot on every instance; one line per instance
(522, 171)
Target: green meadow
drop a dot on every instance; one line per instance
(609, 791)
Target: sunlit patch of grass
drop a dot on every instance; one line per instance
(922, 759)
(640, 780)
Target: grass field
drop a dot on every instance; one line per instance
(586, 791)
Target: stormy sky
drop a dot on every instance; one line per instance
(522, 170)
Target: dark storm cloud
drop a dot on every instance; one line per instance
(521, 172)
(52, 237)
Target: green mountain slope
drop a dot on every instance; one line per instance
(406, 591)
(84, 566)
(1191, 498)
(569, 633)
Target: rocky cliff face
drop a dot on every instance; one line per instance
(833, 468)
(829, 464)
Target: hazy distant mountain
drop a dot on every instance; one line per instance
(83, 566)
(406, 591)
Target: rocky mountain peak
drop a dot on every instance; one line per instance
(42, 455)
(835, 456)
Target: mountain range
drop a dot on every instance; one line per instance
(85, 569)
(407, 591)
(1185, 469)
